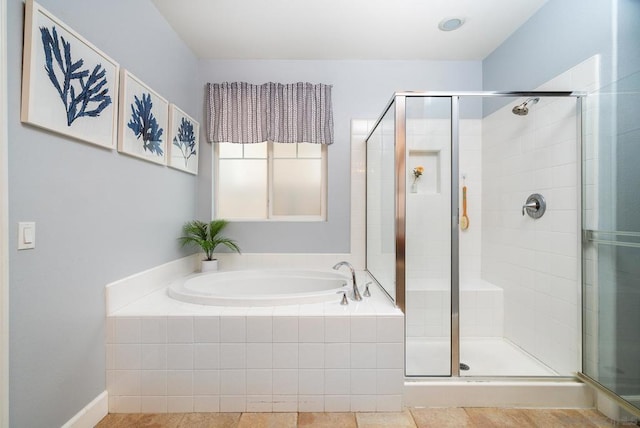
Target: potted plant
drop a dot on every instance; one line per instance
(207, 236)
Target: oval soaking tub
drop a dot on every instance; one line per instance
(260, 287)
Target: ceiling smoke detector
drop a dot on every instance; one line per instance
(450, 24)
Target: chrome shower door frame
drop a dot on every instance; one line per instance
(400, 151)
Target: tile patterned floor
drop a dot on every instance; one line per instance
(410, 418)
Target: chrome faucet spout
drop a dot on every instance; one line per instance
(356, 292)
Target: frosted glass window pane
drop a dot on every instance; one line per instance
(255, 151)
(284, 150)
(229, 150)
(297, 187)
(242, 189)
(309, 150)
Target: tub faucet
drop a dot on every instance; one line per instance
(356, 292)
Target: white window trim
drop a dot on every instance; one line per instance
(270, 216)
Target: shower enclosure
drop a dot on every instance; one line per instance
(501, 295)
(611, 243)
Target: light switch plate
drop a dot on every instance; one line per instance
(26, 235)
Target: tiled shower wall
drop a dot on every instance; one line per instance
(428, 233)
(536, 262)
(428, 209)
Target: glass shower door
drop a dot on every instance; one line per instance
(428, 239)
(611, 242)
(381, 251)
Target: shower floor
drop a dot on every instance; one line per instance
(493, 356)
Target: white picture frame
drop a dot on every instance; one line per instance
(183, 142)
(143, 120)
(69, 86)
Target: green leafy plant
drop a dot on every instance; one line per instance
(207, 236)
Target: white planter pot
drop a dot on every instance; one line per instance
(209, 265)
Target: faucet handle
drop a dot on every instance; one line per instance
(367, 293)
(344, 300)
(530, 205)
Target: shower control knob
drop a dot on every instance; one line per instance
(530, 205)
(535, 206)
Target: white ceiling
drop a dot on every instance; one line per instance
(344, 29)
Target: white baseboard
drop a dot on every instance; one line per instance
(91, 414)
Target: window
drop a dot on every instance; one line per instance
(270, 181)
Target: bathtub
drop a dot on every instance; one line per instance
(164, 355)
(260, 287)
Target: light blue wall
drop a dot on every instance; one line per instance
(561, 34)
(100, 215)
(628, 38)
(361, 89)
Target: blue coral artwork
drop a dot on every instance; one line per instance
(144, 124)
(184, 134)
(143, 120)
(68, 86)
(83, 94)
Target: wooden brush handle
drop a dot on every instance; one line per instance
(464, 200)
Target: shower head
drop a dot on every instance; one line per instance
(523, 109)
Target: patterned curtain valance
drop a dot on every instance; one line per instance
(240, 112)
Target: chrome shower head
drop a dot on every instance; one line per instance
(520, 110)
(523, 109)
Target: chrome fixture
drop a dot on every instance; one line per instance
(535, 206)
(356, 292)
(367, 293)
(523, 109)
(618, 239)
(344, 300)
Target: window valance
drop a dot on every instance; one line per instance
(240, 112)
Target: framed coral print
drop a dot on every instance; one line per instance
(142, 130)
(184, 134)
(68, 85)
